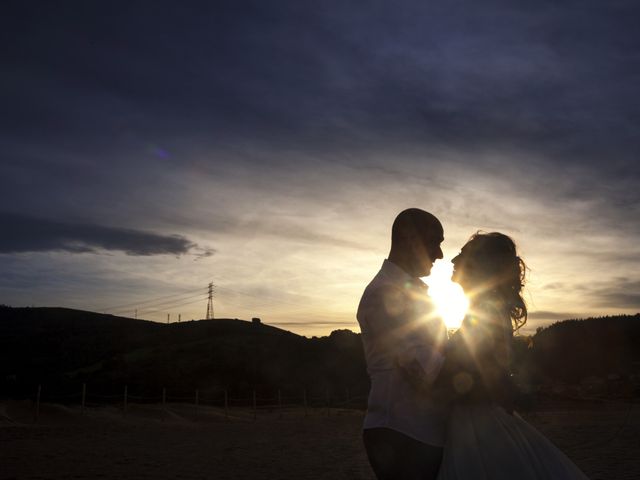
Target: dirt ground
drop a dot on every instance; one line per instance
(183, 443)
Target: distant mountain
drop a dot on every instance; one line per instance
(63, 348)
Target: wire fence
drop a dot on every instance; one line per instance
(229, 407)
(222, 406)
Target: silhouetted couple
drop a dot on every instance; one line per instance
(441, 408)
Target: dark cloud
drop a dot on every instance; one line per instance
(619, 300)
(201, 253)
(557, 79)
(115, 90)
(27, 234)
(620, 292)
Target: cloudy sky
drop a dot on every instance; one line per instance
(148, 148)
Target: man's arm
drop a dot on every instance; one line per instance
(420, 339)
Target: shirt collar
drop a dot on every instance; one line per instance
(395, 273)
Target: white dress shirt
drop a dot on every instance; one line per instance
(403, 343)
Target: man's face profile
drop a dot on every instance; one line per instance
(415, 241)
(429, 251)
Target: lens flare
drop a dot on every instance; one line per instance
(450, 300)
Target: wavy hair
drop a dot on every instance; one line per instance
(500, 273)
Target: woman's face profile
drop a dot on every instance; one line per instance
(463, 267)
(458, 267)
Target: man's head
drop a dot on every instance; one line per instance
(416, 236)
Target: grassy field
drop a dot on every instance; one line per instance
(149, 442)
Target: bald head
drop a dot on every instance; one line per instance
(416, 236)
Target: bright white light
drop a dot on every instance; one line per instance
(448, 296)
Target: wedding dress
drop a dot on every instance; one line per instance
(485, 440)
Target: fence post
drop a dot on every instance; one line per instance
(304, 399)
(36, 415)
(328, 404)
(279, 404)
(197, 401)
(124, 404)
(255, 406)
(84, 397)
(164, 403)
(226, 404)
(347, 392)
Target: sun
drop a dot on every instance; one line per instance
(448, 296)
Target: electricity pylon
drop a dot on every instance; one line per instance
(210, 303)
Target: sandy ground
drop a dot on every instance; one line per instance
(185, 444)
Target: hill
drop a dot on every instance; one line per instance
(63, 348)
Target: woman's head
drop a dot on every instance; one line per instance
(488, 267)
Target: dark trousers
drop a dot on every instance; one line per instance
(395, 456)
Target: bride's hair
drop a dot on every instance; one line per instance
(501, 272)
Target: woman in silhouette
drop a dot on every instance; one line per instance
(485, 439)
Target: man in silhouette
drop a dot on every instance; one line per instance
(404, 343)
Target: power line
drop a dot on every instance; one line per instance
(187, 297)
(165, 304)
(150, 300)
(155, 309)
(167, 299)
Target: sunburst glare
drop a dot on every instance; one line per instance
(450, 300)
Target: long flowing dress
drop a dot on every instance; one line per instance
(485, 439)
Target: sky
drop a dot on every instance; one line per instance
(148, 148)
